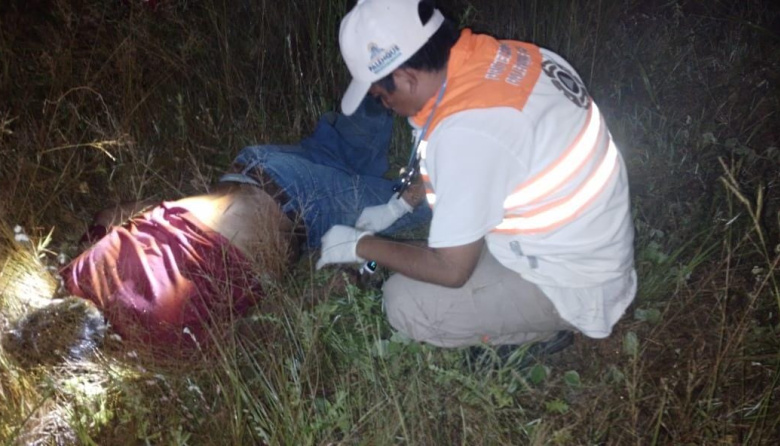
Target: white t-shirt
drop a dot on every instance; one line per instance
(474, 159)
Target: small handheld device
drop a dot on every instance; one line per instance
(407, 176)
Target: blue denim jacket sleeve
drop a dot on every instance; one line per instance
(356, 144)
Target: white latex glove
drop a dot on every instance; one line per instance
(339, 245)
(379, 218)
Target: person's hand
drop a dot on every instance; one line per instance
(339, 245)
(379, 218)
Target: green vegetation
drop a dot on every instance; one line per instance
(107, 101)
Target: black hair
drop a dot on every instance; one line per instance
(433, 56)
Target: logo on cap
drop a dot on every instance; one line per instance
(381, 57)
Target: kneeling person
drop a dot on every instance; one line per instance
(531, 232)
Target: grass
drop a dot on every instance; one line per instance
(110, 101)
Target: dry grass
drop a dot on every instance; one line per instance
(110, 101)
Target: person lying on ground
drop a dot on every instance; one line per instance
(174, 270)
(170, 272)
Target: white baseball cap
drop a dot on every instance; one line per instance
(376, 37)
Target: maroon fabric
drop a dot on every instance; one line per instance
(162, 272)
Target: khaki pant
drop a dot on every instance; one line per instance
(496, 306)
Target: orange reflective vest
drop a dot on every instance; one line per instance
(504, 74)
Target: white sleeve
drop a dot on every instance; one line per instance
(471, 173)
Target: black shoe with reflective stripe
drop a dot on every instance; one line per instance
(480, 356)
(539, 350)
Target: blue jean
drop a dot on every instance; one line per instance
(335, 173)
